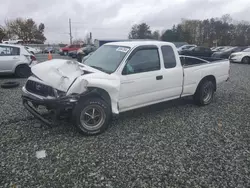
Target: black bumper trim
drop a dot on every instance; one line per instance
(35, 113)
(56, 104)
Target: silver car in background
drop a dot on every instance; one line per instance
(15, 59)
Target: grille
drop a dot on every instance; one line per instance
(39, 89)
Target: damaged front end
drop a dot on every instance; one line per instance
(48, 87)
(58, 85)
(57, 104)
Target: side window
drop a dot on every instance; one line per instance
(207, 50)
(192, 61)
(168, 57)
(9, 51)
(197, 49)
(143, 60)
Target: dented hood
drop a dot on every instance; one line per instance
(60, 74)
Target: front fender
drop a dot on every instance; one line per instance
(109, 83)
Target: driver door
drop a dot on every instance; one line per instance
(141, 78)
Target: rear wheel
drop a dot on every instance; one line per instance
(246, 60)
(22, 71)
(92, 116)
(204, 93)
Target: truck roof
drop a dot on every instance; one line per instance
(132, 44)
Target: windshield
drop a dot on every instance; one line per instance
(192, 47)
(246, 50)
(229, 49)
(107, 58)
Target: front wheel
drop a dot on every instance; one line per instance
(204, 93)
(92, 116)
(246, 60)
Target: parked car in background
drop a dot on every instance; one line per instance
(19, 41)
(85, 51)
(220, 48)
(119, 77)
(186, 47)
(65, 50)
(73, 54)
(226, 53)
(198, 51)
(48, 49)
(15, 59)
(32, 50)
(86, 57)
(241, 57)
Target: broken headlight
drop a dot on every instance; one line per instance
(60, 93)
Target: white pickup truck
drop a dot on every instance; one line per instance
(119, 77)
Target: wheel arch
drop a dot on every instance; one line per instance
(210, 78)
(17, 65)
(244, 57)
(98, 92)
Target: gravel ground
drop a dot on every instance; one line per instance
(173, 144)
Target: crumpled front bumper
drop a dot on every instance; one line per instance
(57, 105)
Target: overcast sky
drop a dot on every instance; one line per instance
(112, 19)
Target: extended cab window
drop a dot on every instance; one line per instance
(168, 57)
(9, 51)
(143, 60)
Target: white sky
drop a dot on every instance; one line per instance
(113, 18)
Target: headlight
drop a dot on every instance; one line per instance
(60, 93)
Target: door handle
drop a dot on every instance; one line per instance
(159, 77)
(15, 58)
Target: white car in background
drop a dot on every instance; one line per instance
(186, 47)
(32, 50)
(241, 57)
(15, 59)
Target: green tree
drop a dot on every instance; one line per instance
(2, 33)
(25, 29)
(156, 35)
(140, 31)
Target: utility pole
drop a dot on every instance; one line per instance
(70, 34)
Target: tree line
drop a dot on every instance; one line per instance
(24, 29)
(222, 31)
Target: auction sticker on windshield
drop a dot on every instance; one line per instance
(122, 49)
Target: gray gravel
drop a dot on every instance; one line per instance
(173, 144)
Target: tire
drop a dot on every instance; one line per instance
(22, 71)
(8, 85)
(245, 60)
(204, 93)
(84, 116)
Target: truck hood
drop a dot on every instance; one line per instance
(60, 74)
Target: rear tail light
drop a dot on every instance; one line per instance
(33, 58)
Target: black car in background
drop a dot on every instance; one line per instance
(226, 53)
(72, 54)
(84, 52)
(199, 51)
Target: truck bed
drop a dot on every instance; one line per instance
(218, 68)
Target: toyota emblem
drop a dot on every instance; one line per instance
(38, 87)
